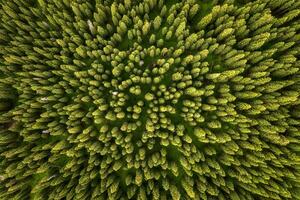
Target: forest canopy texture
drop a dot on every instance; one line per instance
(153, 99)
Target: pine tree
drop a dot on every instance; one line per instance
(149, 99)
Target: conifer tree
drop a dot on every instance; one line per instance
(149, 99)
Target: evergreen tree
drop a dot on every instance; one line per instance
(149, 99)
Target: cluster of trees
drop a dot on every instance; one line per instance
(149, 100)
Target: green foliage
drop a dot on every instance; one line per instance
(153, 99)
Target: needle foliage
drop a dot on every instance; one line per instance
(153, 99)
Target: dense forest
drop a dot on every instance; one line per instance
(153, 99)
